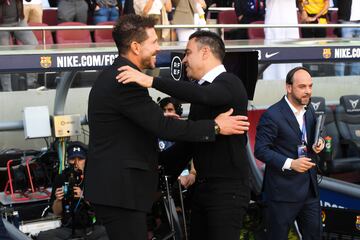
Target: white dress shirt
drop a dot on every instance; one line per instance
(299, 115)
(212, 74)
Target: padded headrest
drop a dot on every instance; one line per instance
(351, 103)
(318, 103)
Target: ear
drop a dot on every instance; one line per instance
(135, 47)
(205, 52)
(288, 88)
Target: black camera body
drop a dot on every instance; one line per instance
(73, 179)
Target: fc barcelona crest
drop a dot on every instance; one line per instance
(357, 223)
(45, 61)
(327, 53)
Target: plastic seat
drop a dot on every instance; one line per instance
(339, 161)
(38, 34)
(227, 17)
(256, 33)
(50, 16)
(104, 35)
(73, 36)
(348, 121)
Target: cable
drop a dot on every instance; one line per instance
(78, 203)
(47, 143)
(60, 156)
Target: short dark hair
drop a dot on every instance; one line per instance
(291, 73)
(177, 105)
(212, 40)
(131, 28)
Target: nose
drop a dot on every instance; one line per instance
(157, 47)
(184, 60)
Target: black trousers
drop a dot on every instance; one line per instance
(3, 232)
(218, 207)
(281, 215)
(121, 223)
(313, 32)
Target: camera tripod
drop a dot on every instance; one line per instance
(176, 230)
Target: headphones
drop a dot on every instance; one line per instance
(291, 73)
(166, 100)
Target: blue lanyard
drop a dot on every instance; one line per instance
(303, 131)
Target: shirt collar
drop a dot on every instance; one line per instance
(293, 109)
(212, 74)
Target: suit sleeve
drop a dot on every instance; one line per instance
(266, 134)
(135, 103)
(215, 94)
(175, 158)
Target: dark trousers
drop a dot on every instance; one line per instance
(63, 233)
(281, 216)
(313, 32)
(218, 207)
(121, 223)
(3, 232)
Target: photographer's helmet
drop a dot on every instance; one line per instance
(76, 149)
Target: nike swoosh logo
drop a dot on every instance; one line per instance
(269, 55)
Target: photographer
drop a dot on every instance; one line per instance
(77, 216)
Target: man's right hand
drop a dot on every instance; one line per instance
(128, 75)
(302, 164)
(230, 125)
(59, 194)
(171, 115)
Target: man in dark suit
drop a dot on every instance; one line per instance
(221, 192)
(121, 170)
(285, 142)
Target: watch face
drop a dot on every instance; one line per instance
(217, 129)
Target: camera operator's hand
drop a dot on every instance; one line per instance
(57, 205)
(59, 194)
(77, 192)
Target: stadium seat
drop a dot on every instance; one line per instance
(256, 33)
(38, 34)
(332, 19)
(348, 121)
(73, 36)
(227, 17)
(50, 16)
(104, 35)
(338, 162)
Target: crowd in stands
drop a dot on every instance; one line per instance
(91, 12)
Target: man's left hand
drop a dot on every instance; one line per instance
(230, 125)
(77, 192)
(128, 75)
(319, 146)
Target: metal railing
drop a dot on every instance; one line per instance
(212, 26)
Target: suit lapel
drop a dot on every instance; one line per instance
(290, 117)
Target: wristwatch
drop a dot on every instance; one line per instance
(217, 129)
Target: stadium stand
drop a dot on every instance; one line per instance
(50, 16)
(227, 17)
(38, 34)
(256, 33)
(104, 35)
(73, 36)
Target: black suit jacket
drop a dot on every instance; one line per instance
(277, 138)
(124, 122)
(226, 157)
